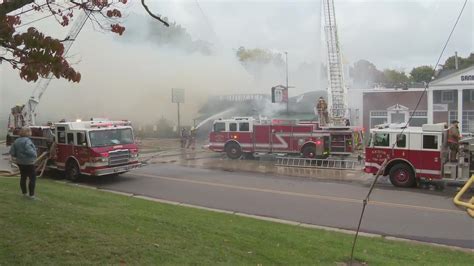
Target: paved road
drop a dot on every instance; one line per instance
(413, 213)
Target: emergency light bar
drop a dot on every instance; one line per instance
(110, 124)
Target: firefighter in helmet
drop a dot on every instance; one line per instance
(322, 108)
(453, 140)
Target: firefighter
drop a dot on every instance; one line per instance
(184, 138)
(192, 139)
(322, 108)
(453, 140)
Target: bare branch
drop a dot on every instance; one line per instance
(153, 15)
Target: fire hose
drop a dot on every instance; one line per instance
(40, 164)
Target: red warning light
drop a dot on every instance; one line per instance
(318, 142)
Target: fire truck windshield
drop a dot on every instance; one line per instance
(111, 137)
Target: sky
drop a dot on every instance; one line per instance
(131, 77)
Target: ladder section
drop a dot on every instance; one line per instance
(316, 163)
(337, 91)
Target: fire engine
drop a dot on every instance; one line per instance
(416, 153)
(96, 148)
(248, 136)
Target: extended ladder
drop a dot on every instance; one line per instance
(337, 90)
(316, 163)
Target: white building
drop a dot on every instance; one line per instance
(452, 98)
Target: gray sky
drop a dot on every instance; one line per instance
(133, 80)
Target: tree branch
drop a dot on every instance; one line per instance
(12, 5)
(153, 15)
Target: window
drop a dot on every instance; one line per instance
(381, 139)
(398, 118)
(447, 96)
(467, 120)
(219, 127)
(111, 137)
(430, 142)
(418, 121)
(61, 135)
(244, 127)
(375, 121)
(471, 93)
(81, 139)
(378, 118)
(233, 127)
(70, 138)
(401, 140)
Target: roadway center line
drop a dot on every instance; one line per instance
(304, 195)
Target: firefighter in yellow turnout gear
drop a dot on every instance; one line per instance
(322, 108)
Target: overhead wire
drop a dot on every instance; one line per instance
(381, 169)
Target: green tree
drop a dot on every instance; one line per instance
(422, 74)
(450, 63)
(255, 60)
(261, 56)
(394, 78)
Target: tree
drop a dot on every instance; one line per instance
(255, 60)
(450, 63)
(365, 73)
(36, 55)
(394, 78)
(257, 55)
(178, 36)
(422, 74)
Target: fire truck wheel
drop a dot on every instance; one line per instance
(233, 150)
(401, 175)
(309, 152)
(72, 171)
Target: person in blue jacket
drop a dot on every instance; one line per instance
(24, 154)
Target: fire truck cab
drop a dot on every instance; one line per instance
(415, 153)
(246, 135)
(95, 148)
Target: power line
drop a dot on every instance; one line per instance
(208, 22)
(39, 19)
(382, 167)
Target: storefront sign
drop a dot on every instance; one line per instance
(467, 77)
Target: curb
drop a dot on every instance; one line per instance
(277, 220)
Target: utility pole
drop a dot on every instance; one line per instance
(287, 90)
(179, 122)
(177, 96)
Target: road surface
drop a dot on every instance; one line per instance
(416, 214)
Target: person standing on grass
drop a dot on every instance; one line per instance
(23, 152)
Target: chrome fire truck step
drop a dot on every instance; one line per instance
(316, 163)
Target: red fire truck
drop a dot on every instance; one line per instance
(95, 148)
(415, 153)
(247, 136)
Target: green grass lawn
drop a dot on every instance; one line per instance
(73, 225)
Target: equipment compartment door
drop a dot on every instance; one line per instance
(262, 138)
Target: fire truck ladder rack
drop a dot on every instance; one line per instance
(317, 163)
